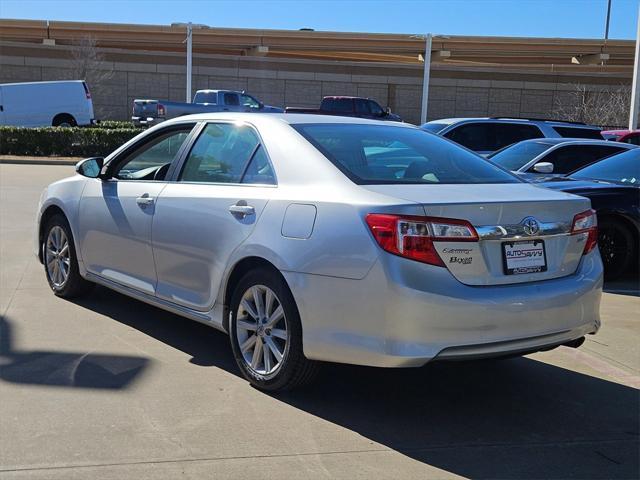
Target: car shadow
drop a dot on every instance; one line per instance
(628, 284)
(517, 418)
(65, 369)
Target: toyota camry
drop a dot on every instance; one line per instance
(310, 239)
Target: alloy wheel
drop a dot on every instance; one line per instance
(57, 256)
(261, 330)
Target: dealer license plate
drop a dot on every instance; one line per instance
(524, 257)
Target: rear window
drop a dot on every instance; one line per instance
(577, 132)
(491, 136)
(433, 127)
(380, 154)
(338, 104)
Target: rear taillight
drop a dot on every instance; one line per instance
(413, 236)
(586, 222)
(86, 90)
(161, 110)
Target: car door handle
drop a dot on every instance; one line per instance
(242, 210)
(144, 200)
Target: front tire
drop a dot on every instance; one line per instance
(617, 248)
(266, 333)
(60, 261)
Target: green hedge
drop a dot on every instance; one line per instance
(63, 141)
(112, 124)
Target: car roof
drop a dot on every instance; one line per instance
(563, 123)
(289, 118)
(569, 141)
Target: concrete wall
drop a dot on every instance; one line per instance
(454, 91)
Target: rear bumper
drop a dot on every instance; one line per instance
(405, 314)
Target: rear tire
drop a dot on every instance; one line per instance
(60, 261)
(266, 333)
(617, 247)
(64, 120)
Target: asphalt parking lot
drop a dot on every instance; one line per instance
(107, 387)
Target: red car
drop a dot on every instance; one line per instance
(626, 136)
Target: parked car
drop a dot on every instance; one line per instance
(558, 156)
(44, 104)
(150, 112)
(433, 254)
(625, 136)
(487, 135)
(613, 185)
(350, 107)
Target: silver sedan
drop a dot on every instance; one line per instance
(310, 238)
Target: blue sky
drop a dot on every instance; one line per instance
(543, 18)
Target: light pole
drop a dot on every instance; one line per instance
(189, 26)
(425, 78)
(635, 85)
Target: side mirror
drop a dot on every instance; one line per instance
(387, 110)
(260, 105)
(543, 167)
(90, 167)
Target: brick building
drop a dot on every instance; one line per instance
(470, 76)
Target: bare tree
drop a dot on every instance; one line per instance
(89, 64)
(605, 107)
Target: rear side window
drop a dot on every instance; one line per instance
(577, 132)
(227, 153)
(206, 97)
(338, 105)
(572, 157)
(380, 154)
(491, 136)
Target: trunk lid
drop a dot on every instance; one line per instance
(498, 212)
(145, 108)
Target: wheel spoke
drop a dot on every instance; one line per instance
(257, 300)
(248, 343)
(275, 317)
(257, 353)
(279, 333)
(249, 308)
(274, 349)
(64, 249)
(266, 358)
(268, 302)
(244, 325)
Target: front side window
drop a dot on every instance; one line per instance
(227, 153)
(362, 106)
(151, 161)
(517, 156)
(623, 168)
(375, 108)
(249, 102)
(231, 99)
(380, 154)
(572, 157)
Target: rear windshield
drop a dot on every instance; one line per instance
(516, 156)
(433, 127)
(577, 132)
(381, 154)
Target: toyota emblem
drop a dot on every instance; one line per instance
(530, 226)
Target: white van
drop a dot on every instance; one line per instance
(44, 104)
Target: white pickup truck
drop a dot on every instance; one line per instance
(150, 112)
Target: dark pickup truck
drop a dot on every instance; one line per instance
(349, 107)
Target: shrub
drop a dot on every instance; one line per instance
(63, 141)
(112, 124)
